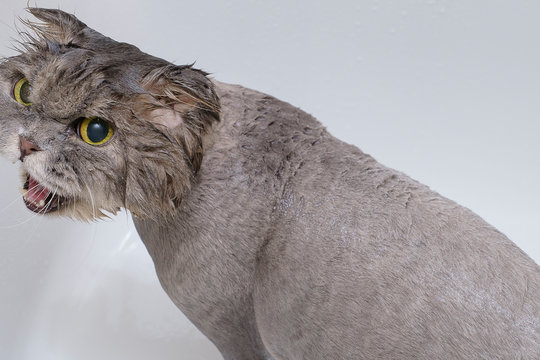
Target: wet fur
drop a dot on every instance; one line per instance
(276, 239)
(76, 72)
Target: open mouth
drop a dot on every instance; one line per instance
(38, 198)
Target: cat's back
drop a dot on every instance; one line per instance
(376, 264)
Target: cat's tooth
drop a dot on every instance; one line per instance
(23, 192)
(41, 203)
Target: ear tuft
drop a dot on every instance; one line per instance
(57, 25)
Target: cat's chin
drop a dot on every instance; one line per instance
(38, 198)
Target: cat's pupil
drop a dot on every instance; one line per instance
(25, 92)
(97, 130)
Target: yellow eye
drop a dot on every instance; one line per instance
(95, 131)
(22, 92)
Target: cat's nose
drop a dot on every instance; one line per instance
(27, 148)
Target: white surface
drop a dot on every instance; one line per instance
(445, 91)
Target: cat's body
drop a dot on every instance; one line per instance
(276, 239)
(296, 239)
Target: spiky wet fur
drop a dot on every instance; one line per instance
(76, 72)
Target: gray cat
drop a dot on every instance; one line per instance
(276, 239)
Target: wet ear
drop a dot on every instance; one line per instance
(57, 26)
(168, 117)
(174, 106)
(163, 102)
(176, 95)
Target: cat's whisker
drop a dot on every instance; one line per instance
(19, 197)
(49, 203)
(22, 222)
(45, 210)
(70, 203)
(12, 29)
(91, 199)
(40, 212)
(43, 190)
(73, 203)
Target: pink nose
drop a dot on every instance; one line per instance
(27, 148)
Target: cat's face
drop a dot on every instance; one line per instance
(99, 125)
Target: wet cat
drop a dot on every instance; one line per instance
(276, 239)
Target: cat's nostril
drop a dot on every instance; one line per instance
(27, 148)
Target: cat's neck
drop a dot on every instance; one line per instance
(230, 202)
(209, 248)
(249, 156)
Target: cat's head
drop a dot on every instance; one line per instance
(98, 124)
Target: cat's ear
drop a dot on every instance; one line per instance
(176, 95)
(180, 104)
(56, 25)
(163, 103)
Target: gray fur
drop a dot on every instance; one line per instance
(279, 240)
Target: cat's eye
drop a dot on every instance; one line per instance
(95, 131)
(21, 92)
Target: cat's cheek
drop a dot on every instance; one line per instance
(112, 157)
(9, 135)
(9, 146)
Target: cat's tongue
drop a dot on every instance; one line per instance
(37, 193)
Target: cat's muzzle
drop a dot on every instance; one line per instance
(38, 198)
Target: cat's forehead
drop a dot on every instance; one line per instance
(72, 69)
(69, 63)
(63, 83)
(70, 81)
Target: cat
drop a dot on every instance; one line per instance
(277, 240)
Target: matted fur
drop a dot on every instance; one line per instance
(276, 239)
(76, 72)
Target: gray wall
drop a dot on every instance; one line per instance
(445, 91)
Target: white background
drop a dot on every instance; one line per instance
(445, 91)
